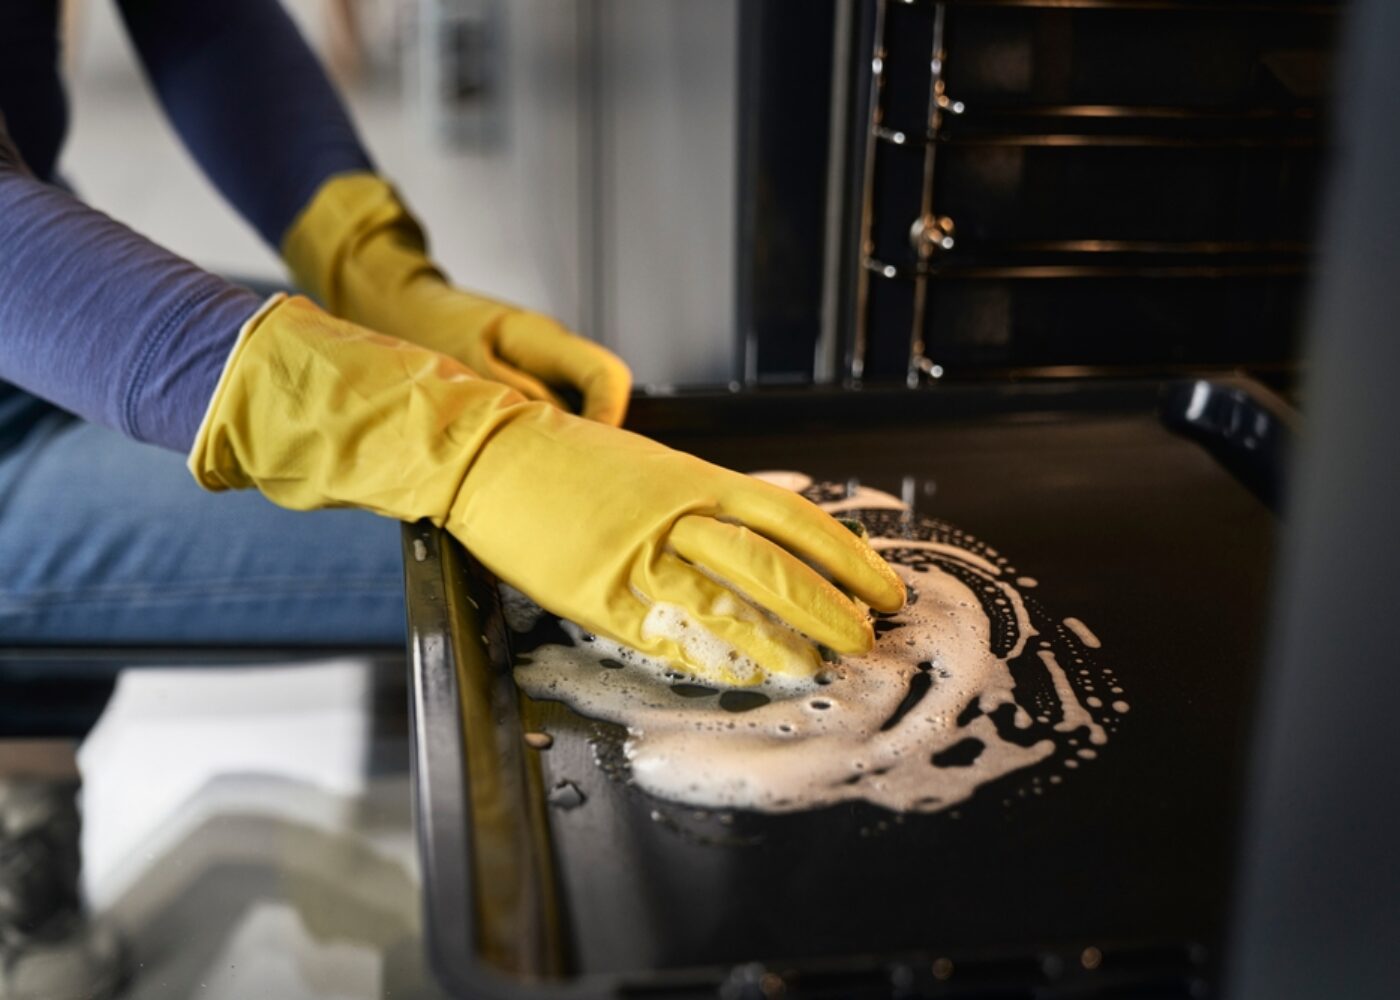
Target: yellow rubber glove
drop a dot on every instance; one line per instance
(359, 250)
(601, 526)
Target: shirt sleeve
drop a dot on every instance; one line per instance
(103, 322)
(250, 101)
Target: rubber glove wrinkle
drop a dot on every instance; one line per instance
(580, 516)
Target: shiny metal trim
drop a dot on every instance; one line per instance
(871, 265)
(896, 137)
(855, 362)
(938, 104)
(824, 360)
(1304, 112)
(1149, 247)
(1185, 6)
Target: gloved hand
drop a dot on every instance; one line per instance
(356, 248)
(606, 528)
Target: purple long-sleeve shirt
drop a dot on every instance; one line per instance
(94, 317)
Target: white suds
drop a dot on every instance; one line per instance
(918, 724)
(1082, 633)
(702, 646)
(788, 480)
(807, 744)
(943, 548)
(1074, 715)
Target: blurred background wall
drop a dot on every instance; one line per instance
(575, 156)
(718, 189)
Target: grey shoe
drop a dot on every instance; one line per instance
(48, 948)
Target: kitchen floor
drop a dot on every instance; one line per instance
(249, 832)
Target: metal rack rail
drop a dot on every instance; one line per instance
(930, 222)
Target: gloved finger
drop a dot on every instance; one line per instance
(522, 382)
(773, 579)
(540, 346)
(717, 633)
(813, 535)
(606, 396)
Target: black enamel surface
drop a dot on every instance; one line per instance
(1127, 525)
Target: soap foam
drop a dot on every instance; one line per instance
(700, 645)
(1083, 633)
(919, 724)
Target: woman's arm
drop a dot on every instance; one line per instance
(255, 108)
(250, 101)
(103, 322)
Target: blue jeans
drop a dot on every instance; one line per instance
(107, 541)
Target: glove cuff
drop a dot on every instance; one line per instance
(317, 412)
(212, 470)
